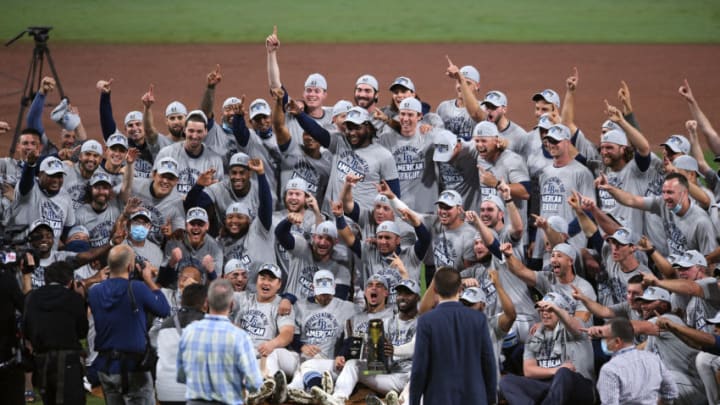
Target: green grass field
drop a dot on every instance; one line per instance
(184, 21)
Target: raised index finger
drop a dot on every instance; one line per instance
(274, 30)
(450, 62)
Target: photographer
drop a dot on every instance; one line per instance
(54, 323)
(118, 306)
(12, 379)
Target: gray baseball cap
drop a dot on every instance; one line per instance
(495, 98)
(559, 132)
(549, 96)
(473, 295)
(677, 144)
(614, 136)
(689, 259)
(410, 285)
(654, 294)
(558, 299)
(624, 236)
(565, 249)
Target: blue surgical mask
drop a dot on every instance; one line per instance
(227, 128)
(138, 233)
(676, 209)
(265, 134)
(604, 348)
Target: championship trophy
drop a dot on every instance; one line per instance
(373, 353)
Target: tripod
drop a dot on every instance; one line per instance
(34, 74)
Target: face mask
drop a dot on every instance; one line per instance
(138, 233)
(227, 128)
(676, 209)
(604, 348)
(265, 134)
(78, 246)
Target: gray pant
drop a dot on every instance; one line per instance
(140, 389)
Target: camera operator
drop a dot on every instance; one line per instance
(12, 378)
(55, 321)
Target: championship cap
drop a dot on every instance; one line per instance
(341, 107)
(230, 101)
(234, 265)
(566, 249)
(77, 229)
(116, 139)
(175, 107)
(687, 162)
(167, 165)
(376, 277)
(238, 208)
(444, 142)
(609, 125)
(133, 116)
(316, 80)
(495, 98)
(323, 283)
(388, 226)
(38, 223)
(545, 122)
(689, 259)
(714, 320)
(410, 103)
(558, 299)
(259, 106)
(624, 236)
(141, 213)
(370, 80)
(558, 224)
(677, 144)
(471, 73)
(451, 198)
(197, 113)
(297, 184)
(100, 177)
(549, 96)
(64, 117)
(52, 165)
(654, 294)
(485, 129)
(403, 82)
(614, 136)
(410, 285)
(91, 146)
(270, 268)
(495, 199)
(239, 159)
(325, 228)
(196, 213)
(559, 132)
(473, 295)
(357, 115)
(382, 199)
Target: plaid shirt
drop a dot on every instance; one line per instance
(216, 360)
(635, 376)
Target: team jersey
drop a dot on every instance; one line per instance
(551, 348)
(36, 204)
(456, 119)
(75, 185)
(99, 224)
(169, 208)
(260, 320)
(303, 267)
(400, 332)
(518, 138)
(461, 174)
(322, 325)
(677, 356)
(296, 163)
(691, 231)
(191, 167)
(450, 247)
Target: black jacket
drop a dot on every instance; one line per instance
(55, 318)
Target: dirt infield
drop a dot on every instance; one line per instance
(654, 72)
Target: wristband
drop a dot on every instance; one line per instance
(650, 252)
(509, 200)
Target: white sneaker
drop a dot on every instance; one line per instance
(265, 391)
(391, 398)
(280, 394)
(324, 398)
(328, 385)
(299, 396)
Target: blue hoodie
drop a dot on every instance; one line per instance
(117, 327)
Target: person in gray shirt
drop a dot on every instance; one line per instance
(558, 360)
(79, 173)
(100, 210)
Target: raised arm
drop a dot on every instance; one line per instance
(282, 134)
(128, 174)
(678, 286)
(516, 266)
(703, 122)
(272, 44)
(696, 150)
(587, 225)
(593, 306)
(148, 99)
(508, 315)
(208, 99)
(34, 116)
(346, 196)
(661, 263)
(634, 136)
(621, 196)
(625, 101)
(469, 100)
(107, 122)
(568, 109)
(513, 214)
(691, 336)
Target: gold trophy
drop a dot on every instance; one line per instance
(374, 354)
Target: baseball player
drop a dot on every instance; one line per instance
(461, 114)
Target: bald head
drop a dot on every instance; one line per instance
(120, 258)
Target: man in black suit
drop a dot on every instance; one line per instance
(453, 361)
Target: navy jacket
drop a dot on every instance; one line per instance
(454, 361)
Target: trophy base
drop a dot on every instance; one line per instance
(374, 368)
